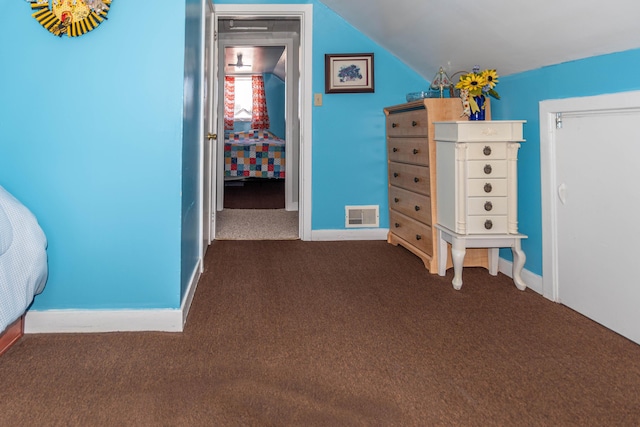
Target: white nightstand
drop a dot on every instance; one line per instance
(477, 182)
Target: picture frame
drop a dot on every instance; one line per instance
(349, 73)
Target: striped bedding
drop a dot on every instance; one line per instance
(23, 259)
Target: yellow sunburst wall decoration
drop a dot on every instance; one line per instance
(71, 17)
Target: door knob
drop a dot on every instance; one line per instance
(212, 136)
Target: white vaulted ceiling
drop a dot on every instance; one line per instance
(508, 35)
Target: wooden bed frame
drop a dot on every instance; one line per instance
(12, 334)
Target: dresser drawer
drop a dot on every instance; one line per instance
(487, 150)
(487, 224)
(409, 177)
(414, 205)
(487, 206)
(414, 232)
(486, 187)
(409, 150)
(487, 168)
(408, 123)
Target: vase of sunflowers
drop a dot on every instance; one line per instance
(474, 89)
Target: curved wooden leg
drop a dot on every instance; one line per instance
(518, 263)
(494, 256)
(458, 250)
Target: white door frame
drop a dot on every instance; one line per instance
(548, 111)
(304, 12)
(290, 44)
(208, 96)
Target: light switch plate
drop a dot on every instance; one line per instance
(317, 99)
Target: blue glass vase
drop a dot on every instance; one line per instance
(478, 115)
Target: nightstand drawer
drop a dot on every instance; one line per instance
(409, 150)
(410, 177)
(487, 168)
(414, 232)
(487, 150)
(486, 187)
(487, 206)
(487, 224)
(409, 123)
(416, 206)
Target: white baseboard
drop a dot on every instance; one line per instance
(356, 234)
(64, 321)
(191, 291)
(90, 321)
(533, 281)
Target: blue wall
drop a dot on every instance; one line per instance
(274, 89)
(520, 96)
(349, 146)
(91, 141)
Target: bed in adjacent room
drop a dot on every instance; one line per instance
(23, 266)
(254, 154)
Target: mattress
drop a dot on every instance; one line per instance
(23, 258)
(257, 154)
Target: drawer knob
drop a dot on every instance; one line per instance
(395, 174)
(416, 179)
(488, 187)
(396, 225)
(395, 150)
(487, 169)
(418, 237)
(396, 200)
(417, 208)
(488, 224)
(486, 150)
(488, 206)
(394, 125)
(414, 123)
(416, 151)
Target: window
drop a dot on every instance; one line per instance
(243, 99)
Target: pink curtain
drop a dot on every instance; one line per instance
(229, 101)
(260, 117)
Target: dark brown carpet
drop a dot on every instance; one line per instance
(299, 333)
(256, 193)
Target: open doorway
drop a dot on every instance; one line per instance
(258, 158)
(302, 65)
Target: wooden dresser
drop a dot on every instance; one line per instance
(411, 154)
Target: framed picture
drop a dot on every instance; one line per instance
(348, 73)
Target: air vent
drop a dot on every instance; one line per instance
(362, 216)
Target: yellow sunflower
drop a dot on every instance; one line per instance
(473, 83)
(490, 78)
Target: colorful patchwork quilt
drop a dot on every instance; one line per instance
(258, 154)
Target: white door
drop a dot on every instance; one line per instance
(209, 137)
(597, 198)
